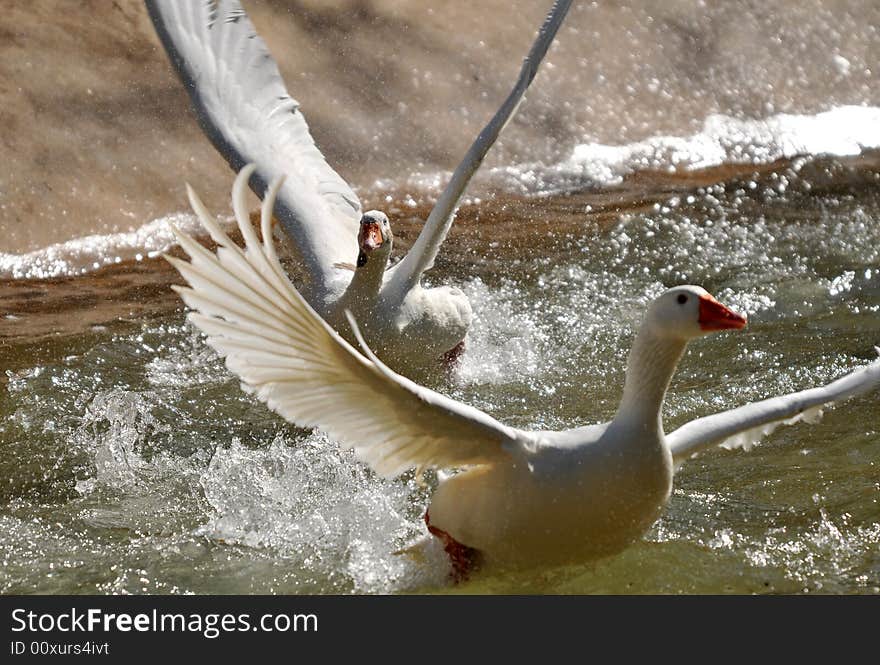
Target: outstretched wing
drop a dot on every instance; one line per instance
(244, 108)
(420, 258)
(745, 426)
(302, 369)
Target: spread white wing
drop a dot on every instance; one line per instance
(745, 426)
(301, 368)
(245, 110)
(420, 258)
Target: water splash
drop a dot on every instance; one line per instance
(723, 140)
(841, 131)
(318, 507)
(83, 255)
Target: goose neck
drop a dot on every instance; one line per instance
(367, 278)
(652, 362)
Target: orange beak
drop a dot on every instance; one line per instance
(370, 236)
(715, 316)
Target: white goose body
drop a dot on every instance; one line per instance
(521, 498)
(426, 324)
(245, 110)
(580, 495)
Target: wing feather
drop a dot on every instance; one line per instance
(743, 427)
(420, 258)
(247, 113)
(286, 355)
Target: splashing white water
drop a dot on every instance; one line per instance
(317, 505)
(840, 132)
(84, 255)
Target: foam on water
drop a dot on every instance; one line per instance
(157, 441)
(838, 132)
(84, 255)
(841, 131)
(318, 507)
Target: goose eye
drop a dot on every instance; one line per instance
(682, 299)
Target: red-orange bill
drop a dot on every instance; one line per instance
(715, 316)
(370, 236)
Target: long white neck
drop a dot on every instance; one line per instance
(652, 362)
(364, 287)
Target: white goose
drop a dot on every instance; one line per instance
(245, 110)
(522, 497)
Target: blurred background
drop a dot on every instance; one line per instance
(96, 133)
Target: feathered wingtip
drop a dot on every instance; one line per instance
(261, 255)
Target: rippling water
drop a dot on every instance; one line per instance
(132, 462)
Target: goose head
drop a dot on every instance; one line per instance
(675, 317)
(687, 312)
(374, 238)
